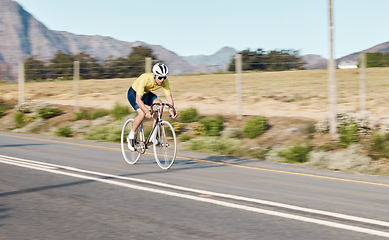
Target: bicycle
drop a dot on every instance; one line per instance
(162, 136)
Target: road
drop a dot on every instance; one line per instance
(58, 188)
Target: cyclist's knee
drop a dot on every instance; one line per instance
(141, 114)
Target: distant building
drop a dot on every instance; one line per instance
(348, 64)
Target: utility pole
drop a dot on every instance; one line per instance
(76, 79)
(332, 80)
(238, 72)
(148, 65)
(362, 82)
(21, 83)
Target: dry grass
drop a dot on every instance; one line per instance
(289, 93)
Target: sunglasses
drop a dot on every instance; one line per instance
(161, 78)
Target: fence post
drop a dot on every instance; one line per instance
(332, 81)
(362, 82)
(21, 83)
(76, 79)
(238, 73)
(148, 65)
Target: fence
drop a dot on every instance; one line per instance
(252, 88)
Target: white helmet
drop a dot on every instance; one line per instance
(160, 70)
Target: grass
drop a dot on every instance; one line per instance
(307, 84)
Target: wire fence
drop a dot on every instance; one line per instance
(305, 90)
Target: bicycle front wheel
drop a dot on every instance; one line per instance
(129, 156)
(165, 146)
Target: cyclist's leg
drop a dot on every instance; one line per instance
(138, 119)
(131, 96)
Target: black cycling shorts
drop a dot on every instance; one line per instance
(148, 98)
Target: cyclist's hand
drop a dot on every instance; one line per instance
(173, 114)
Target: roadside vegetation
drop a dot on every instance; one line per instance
(253, 137)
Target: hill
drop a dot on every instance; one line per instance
(22, 36)
(383, 47)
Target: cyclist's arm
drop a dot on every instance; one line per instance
(142, 106)
(169, 99)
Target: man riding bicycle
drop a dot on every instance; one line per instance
(140, 94)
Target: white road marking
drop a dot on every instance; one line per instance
(62, 170)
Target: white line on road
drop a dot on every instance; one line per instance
(62, 170)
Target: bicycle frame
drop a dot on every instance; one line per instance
(155, 125)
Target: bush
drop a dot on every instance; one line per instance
(188, 115)
(214, 145)
(184, 138)
(348, 134)
(2, 111)
(119, 111)
(296, 154)
(85, 114)
(379, 147)
(255, 127)
(98, 114)
(19, 119)
(109, 133)
(4, 107)
(47, 113)
(211, 127)
(177, 126)
(64, 131)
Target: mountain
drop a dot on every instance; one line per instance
(314, 62)
(22, 36)
(222, 56)
(212, 63)
(383, 47)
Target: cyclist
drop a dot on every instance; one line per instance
(140, 94)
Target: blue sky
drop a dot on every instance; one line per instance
(205, 26)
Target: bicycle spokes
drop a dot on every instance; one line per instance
(165, 146)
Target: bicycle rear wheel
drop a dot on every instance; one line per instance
(129, 156)
(165, 147)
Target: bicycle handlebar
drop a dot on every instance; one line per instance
(163, 105)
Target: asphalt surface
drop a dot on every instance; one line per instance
(58, 188)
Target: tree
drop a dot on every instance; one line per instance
(34, 69)
(90, 68)
(274, 60)
(377, 59)
(61, 65)
(136, 60)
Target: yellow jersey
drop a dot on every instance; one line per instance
(145, 84)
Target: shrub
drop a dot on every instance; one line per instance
(255, 127)
(348, 134)
(47, 113)
(98, 114)
(211, 127)
(109, 133)
(184, 138)
(295, 154)
(19, 119)
(4, 107)
(83, 114)
(177, 127)
(214, 145)
(379, 147)
(188, 115)
(120, 111)
(64, 131)
(87, 115)
(364, 123)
